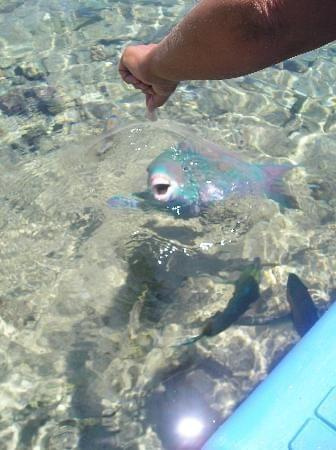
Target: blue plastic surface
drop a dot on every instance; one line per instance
(295, 406)
(327, 409)
(314, 435)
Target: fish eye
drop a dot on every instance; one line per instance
(185, 168)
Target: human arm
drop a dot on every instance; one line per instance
(221, 39)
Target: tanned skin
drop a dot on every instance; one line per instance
(221, 39)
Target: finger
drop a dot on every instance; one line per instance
(148, 90)
(126, 75)
(140, 85)
(149, 103)
(155, 101)
(130, 79)
(123, 71)
(158, 100)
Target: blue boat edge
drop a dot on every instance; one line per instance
(294, 407)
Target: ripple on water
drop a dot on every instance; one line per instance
(93, 301)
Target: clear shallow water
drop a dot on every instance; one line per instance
(93, 301)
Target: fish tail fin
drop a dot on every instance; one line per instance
(275, 187)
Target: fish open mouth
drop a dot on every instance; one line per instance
(161, 187)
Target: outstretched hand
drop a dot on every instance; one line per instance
(135, 68)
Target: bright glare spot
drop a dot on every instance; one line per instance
(190, 427)
(206, 245)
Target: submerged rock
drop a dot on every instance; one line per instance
(31, 138)
(97, 53)
(99, 110)
(48, 101)
(30, 71)
(12, 104)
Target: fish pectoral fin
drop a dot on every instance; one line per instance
(147, 202)
(189, 341)
(118, 201)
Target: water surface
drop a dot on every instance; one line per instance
(93, 301)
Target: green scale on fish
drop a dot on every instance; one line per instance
(187, 178)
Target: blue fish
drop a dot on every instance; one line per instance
(303, 310)
(186, 179)
(246, 292)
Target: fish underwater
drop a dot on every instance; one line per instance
(303, 310)
(246, 292)
(187, 178)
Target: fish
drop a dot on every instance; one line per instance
(304, 313)
(186, 178)
(90, 14)
(89, 21)
(246, 292)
